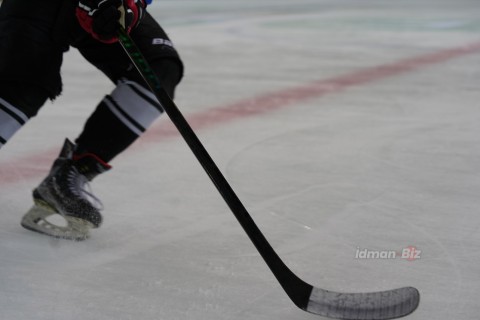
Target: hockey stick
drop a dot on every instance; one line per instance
(373, 305)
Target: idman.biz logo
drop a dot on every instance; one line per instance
(410, 253)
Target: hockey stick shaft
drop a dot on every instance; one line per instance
(354, 306)
(298, 290)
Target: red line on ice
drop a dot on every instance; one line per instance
(33, 166)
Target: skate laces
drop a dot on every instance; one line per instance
(79, 185)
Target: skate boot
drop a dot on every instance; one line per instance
(65, 192)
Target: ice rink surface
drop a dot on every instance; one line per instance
(346, 127)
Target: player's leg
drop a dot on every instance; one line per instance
(15, 108)
(122, 116)
(119, 119)
(30, 59)
(33, 38)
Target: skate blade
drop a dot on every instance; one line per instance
(36, 220)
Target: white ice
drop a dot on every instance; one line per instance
(383, 164)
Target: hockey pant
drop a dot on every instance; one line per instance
(121, 116)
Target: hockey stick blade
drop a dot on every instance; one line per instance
(376, 305)
(373, 305)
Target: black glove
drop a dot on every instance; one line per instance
(103, 18)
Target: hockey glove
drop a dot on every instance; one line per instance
(103, 18)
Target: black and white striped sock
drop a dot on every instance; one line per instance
(134, 106)
(119, 119)
(11, 120)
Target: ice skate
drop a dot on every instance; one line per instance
(65, 192)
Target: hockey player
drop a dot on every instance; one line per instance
(33, 37)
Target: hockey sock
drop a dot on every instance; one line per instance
(126, 113)
(119, 120)
(11, 119)
(18, 103)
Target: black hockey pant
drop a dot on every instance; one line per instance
(33, 38)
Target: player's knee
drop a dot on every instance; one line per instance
(25, 97)
(170, 72)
